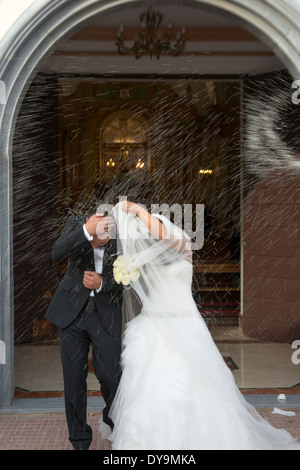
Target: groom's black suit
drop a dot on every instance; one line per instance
(82, 320)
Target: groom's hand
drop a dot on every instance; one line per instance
(92, 222)
(92, 280)
(101, 226)
(106, 227)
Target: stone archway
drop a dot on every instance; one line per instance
(32, 35)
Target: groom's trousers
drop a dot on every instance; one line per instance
(86, 329)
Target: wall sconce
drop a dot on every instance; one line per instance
(110, 163)
(140, 164)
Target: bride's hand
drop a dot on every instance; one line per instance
(129, 207)
(154, 225)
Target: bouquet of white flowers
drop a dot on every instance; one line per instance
(122, 274)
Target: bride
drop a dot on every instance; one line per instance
(176, 392)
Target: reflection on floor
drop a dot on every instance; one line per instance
(257, 366)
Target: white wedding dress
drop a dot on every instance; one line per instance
(176, 392)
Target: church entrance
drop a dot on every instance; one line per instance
(49, 167)
(179, 139)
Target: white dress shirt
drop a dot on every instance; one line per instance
(98, 258)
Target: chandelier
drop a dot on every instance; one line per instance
(149, 40)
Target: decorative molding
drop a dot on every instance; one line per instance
(185, 53)
(193, 33)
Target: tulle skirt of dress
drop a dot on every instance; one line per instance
(177, 393)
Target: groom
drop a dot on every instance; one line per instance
(87, 308)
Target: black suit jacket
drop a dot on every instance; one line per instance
(71, 295)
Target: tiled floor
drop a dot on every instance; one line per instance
(45, 431)
(261, 365)
(48, 431)
(261, 369)
(256, 364)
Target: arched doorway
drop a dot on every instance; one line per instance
(31, 38)
(123, 144)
